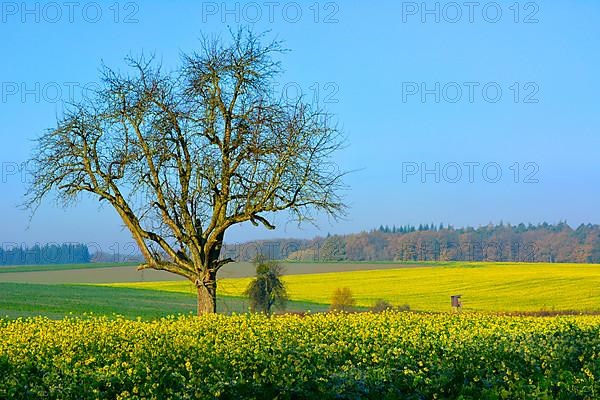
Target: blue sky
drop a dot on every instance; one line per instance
(505, 87)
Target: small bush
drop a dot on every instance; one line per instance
(403, 307)
(342, 300)
(267, 289)
(381, 306)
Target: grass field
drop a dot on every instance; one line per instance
(484, 286)
(56, 301)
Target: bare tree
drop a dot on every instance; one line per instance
(183, 156)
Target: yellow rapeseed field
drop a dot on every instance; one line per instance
(484, 286)
(345, 356)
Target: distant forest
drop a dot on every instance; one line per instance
(46, 254)
(429, 242)
(504, 242)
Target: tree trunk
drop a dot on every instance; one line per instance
(207, 294)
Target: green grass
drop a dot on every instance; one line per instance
(485, 286)
(61, 267)
(56, 301)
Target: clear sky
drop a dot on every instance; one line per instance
(454, 113)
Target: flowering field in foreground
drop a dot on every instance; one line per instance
(388, 355)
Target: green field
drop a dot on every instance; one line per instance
(58, 300)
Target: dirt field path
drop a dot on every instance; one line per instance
(130, 274)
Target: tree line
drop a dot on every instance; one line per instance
(70, 253)
(503, 242)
